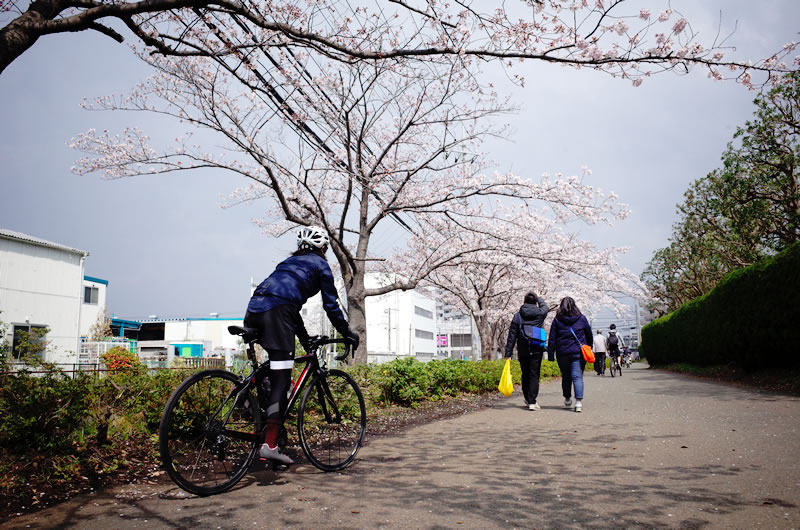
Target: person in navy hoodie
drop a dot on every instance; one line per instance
(533, 311)
(274, 309)
(569, 330)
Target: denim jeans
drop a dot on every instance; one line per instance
(571, 366)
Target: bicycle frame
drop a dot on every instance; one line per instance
(259, 372)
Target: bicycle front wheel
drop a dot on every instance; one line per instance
(208, 433)
(332, 420)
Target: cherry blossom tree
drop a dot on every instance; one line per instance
(364, 144)
(535, 253)
(606, 35)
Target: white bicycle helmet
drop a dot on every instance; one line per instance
(311, 237)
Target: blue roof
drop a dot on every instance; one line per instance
(126, 323)
(96, 280)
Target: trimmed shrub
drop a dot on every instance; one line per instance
(748, 319)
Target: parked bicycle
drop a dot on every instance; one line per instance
(212, 424)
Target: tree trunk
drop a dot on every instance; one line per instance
(487, 340)
(357, 316)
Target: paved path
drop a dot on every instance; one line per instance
(651, 449)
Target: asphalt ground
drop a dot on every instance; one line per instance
(650, 449)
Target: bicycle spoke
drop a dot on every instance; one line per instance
(332, 421)
(201, 439)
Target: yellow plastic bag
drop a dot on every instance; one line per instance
(506, 386)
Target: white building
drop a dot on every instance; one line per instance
(399, 323)
(93, 303)
(42, 286)
(457, 335)
(162, 340)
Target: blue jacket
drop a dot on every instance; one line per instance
(561, 342)
(295, 280)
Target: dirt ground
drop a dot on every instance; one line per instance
(144, 467)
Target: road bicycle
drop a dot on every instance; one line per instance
(212, 425)
(614, 366)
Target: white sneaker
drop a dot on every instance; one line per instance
(568, 402)
(275, 454)
(534, 406)
(578, 406)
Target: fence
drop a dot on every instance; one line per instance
(386, 357)
(91, 352)
(100, 368)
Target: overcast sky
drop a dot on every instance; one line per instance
(167, 249)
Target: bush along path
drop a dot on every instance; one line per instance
(61, 435)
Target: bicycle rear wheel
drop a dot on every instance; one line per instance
(612, 367)
(208, 435)
(332, 420)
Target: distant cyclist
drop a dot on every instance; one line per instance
(614, 343)
(274, 310)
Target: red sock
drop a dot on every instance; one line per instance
(271, 434)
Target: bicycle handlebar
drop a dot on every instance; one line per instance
(317, 341)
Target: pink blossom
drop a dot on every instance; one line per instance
(644, 14)
(664, 16)
(680, 25)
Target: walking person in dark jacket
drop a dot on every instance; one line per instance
(533, 312)
(568, 332)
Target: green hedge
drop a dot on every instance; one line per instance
(747, 319)
(408, 382)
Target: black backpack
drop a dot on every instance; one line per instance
(534, 335)
(613, 341)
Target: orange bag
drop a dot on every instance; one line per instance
(586, 350)
(588, 354)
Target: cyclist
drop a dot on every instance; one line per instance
(613, 343)
(274, 310)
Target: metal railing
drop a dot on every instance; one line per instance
(100, 369)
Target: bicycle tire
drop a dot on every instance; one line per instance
(332, 420)
(207, 439)
(611, 367)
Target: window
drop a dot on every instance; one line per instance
(423, 312)
(460, 340)
(90, 294)
(28, 340)
(422, 334)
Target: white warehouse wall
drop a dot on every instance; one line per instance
(41, 284)
(214, 330)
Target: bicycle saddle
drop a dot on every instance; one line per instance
(248, 334)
